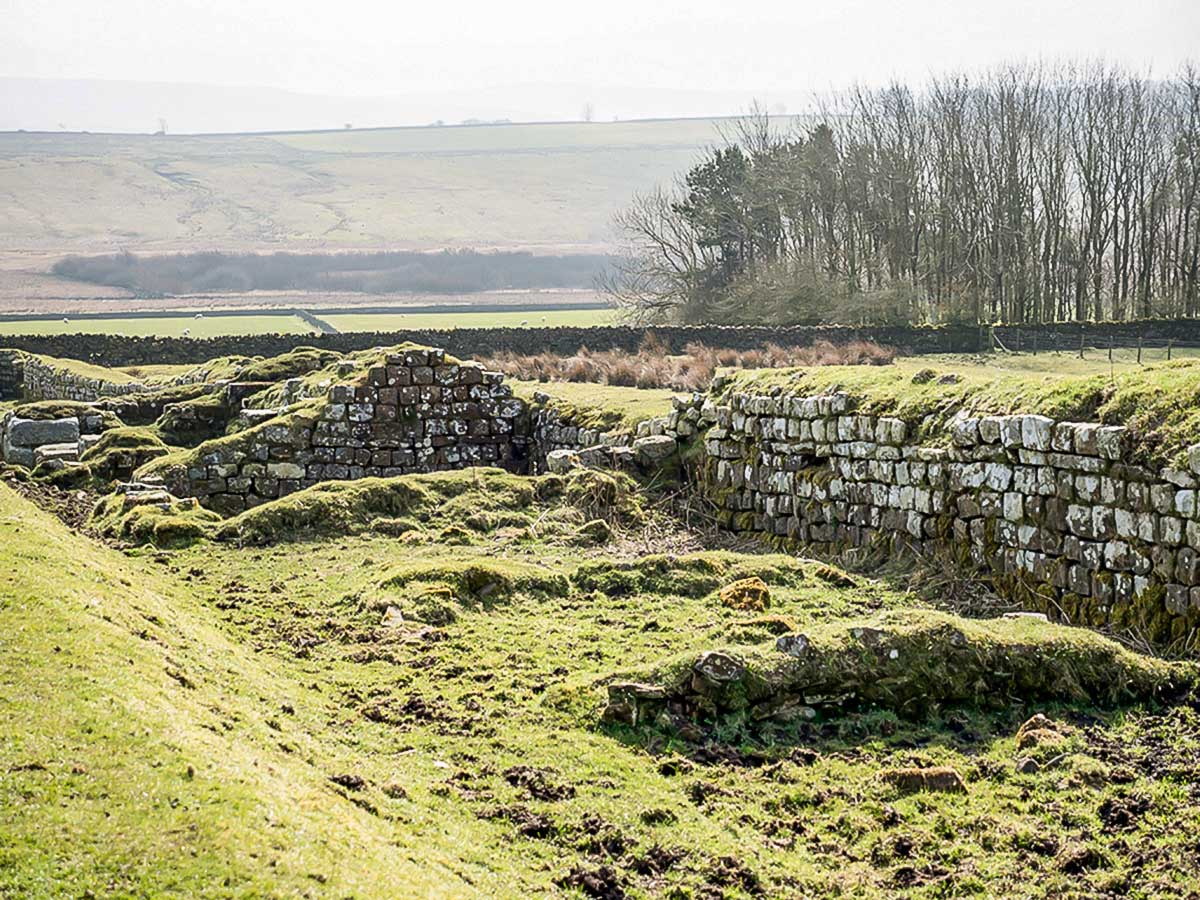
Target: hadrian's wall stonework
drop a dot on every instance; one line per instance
(1056, 508)
(40, 380)
(414, 411)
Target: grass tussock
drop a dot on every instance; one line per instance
(690, 575)
(653, 366)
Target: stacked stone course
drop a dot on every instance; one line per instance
(413, 412)
(41, 381)
(1057, 505)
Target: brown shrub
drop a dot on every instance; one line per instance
(653, 366)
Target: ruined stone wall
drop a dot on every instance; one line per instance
(1055, 508)
(414, 412)
(556, 430)
(44, 381)
(12, 374)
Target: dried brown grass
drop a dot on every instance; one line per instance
(652, 366)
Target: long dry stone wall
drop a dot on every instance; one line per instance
(1054, 510)
(114, 350)
(414, 411)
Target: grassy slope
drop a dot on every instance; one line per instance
(432, 726)
(551, 185)
(115, 689)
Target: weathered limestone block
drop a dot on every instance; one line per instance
(35, 432)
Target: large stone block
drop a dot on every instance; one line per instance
(35, 432)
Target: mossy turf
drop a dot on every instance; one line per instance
(172, 524)
(234, 721)
(598, 406)
(1159, 403)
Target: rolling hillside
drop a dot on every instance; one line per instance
(535, 186)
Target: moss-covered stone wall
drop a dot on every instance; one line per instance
(1055, 511)
(409, 411)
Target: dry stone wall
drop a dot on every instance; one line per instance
(1055, 509)
(414, 411)
(44, 381)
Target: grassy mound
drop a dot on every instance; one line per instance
(352, 506)
(909, 662)
(293, 364)
(170, 523)
(435, 592)
(691, 575)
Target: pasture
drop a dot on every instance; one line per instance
(494, 319)
(162, 326)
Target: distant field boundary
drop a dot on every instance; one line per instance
(303, 312)
(112, 350)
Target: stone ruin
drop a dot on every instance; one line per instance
(413, 411)
(1057, 511)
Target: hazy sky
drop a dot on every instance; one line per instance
(369, 48)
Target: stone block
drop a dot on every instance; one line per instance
(36, 432)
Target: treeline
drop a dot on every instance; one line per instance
(1030, 194)
(448, 272)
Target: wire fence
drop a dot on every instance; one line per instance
(1124, 348)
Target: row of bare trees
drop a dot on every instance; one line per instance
(1031, 194)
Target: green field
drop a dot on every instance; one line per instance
(163, 326)
(516, 185)
(531, 318)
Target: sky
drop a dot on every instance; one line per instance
(549, 57)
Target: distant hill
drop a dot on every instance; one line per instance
(541, 186)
